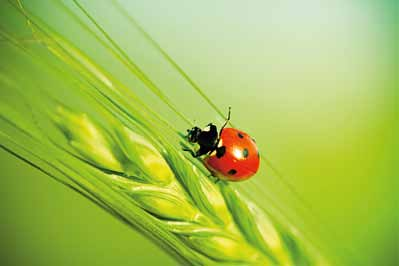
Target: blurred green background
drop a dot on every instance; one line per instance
(314, 81)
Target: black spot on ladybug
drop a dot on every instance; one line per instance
(232, 172)
(245, 153)
(220, 151)
(240, 135)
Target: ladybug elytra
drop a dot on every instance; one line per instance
(230, 154)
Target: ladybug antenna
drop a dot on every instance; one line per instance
(226, 122)
(228, 115)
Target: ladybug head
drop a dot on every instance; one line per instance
(193, 134)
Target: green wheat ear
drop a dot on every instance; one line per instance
(119, 154)
(211, 219)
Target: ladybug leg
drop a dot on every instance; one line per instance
(198, 153)
(215, 179)
(202, 151)
(194, 154)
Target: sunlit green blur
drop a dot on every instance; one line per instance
(313, 82)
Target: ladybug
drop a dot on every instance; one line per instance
(230, 155)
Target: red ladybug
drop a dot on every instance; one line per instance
(230, 155)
